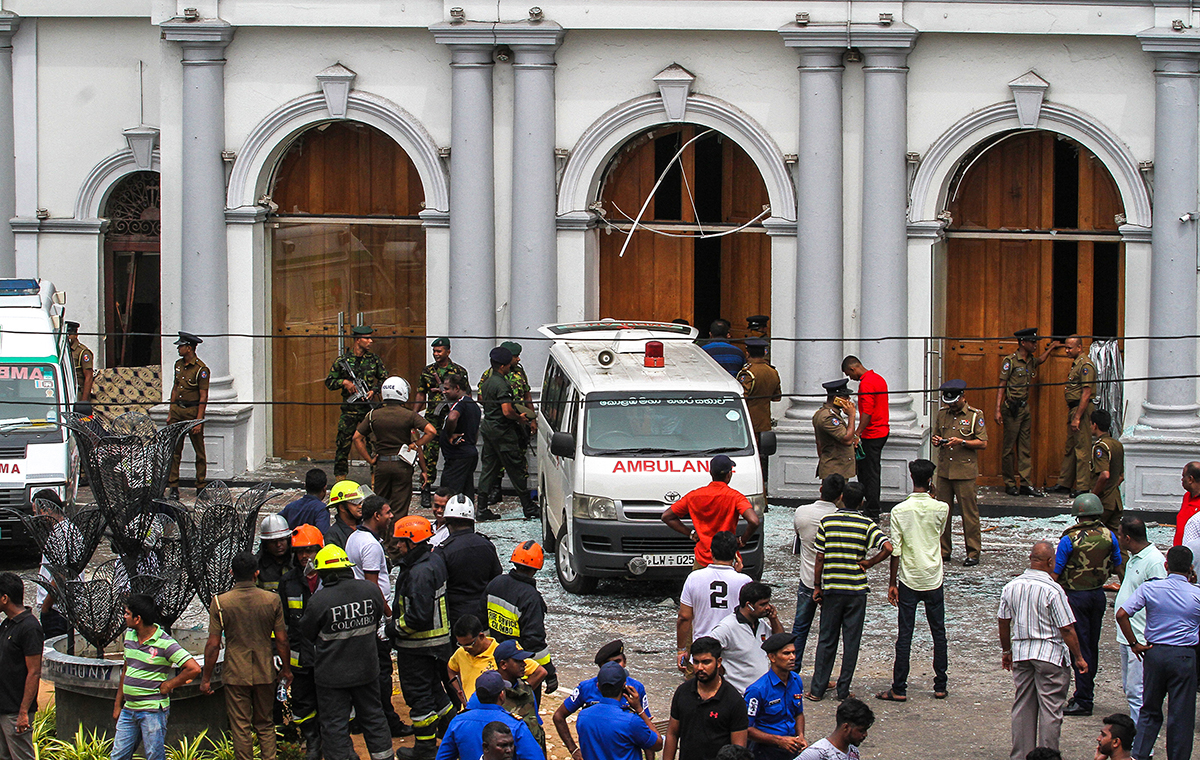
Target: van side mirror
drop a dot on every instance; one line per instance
(766, 443)
(563, 445)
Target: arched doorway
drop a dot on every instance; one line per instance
(346, 246)
(683, 271)
(1033, 242)
(132, 294)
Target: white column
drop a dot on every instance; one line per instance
(204, 299)
(533, 299)
(472, 193)
(8, 165)
(883, 309)
(1164, 438)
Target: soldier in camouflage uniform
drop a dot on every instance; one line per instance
(1088, 553)
(370, 372)
(431, 399)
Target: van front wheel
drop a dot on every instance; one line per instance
(564, 562)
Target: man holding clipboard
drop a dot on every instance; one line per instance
(390, 429)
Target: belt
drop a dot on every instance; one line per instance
(187, 404)
(395, 458)
(1072, 404)
(1017, 404)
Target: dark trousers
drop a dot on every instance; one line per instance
(423, 691)
(806, 609)
(841, 614)
(869, 474)
(333, 710)
(303, 695)
(54, 624)
(767, 752)
(502, 453)
(1088, 607)
(385, 687)
(906, 618)
(1169, 672)
(459, 475)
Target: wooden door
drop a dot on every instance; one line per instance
(132, 292)
(683, 271)
(1033, 243)
(349, 245)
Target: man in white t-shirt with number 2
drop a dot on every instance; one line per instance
(709, 595)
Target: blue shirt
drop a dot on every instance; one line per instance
(1172, 610)
(587, 693)
(727, 355)
(307, 510)
(608, 732)
(464, 737)
(772, 705)
(1063, 553)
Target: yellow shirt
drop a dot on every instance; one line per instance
(469, 667)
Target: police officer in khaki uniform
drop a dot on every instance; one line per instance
(959, 434)
(390, 429)
(189, 398)
(81, 360)
(835, 436)
(1075, 475)
(760, 386)
(1108, 468)
(1017, 373)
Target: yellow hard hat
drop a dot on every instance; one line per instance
(332, 557)
(347, 490)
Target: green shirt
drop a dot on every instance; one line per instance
(494, 392)
(845, 537)
(517, 380)
(917, 524)
(147, 665)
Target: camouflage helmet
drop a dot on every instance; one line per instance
(1086, 504)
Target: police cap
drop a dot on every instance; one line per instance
(757, 322)
(837, 387)
(1029, 333)
(952, 389)
(72, 327)
(755, 343)
(188, 339)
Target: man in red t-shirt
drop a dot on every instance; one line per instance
(1191, 499)
(712, 509)
(872, 428)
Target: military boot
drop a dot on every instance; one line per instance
(423, 749)
(311, 731)
(528, 506)
(426, 496)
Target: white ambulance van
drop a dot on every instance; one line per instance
(37, 387)
(631, 413)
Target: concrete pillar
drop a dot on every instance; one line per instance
(533, 299)
(1164, 437)
(204, 298)
(8, 163)
(472, 192)
(883, 309)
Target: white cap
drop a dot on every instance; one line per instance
(460, 507)
(395, 389)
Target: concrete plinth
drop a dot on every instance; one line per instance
(226, 440)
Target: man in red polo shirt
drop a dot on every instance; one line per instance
(872, 428)
(1191, 499)
(712, 509)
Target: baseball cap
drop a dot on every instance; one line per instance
(509, 650)
(720, 465)
(611, 674)
(489, 685)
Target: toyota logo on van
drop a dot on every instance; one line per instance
(671, 497)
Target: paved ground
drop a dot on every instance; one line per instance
(971, 724)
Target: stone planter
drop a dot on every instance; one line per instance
(85, 689)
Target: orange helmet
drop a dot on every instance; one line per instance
(529, 554)
(414, 527)
(306, 536)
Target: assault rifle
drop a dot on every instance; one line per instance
(362, 392)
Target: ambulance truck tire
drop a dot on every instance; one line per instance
(571, 580)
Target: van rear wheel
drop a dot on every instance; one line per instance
(564, 563)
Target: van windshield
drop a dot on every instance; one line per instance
(669, 423)
(28, 397)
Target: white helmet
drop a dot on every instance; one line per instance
(395, 389)
(460, 507)
(272, 527)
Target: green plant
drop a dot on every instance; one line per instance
(44, 727)
(94, 745)
(190, 749)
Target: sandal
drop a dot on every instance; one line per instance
(941, 694)
(891, 696)
(813, 697)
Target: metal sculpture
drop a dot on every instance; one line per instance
(67, 538)
(95, 602)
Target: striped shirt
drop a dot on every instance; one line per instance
(1037, 608)
(147, 665)
(845, 537)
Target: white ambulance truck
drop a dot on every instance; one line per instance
(631, 413)
(37, 387)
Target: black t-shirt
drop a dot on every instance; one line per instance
(467, 424)
(706, 725)
(20, 637)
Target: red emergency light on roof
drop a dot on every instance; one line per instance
(654, 353)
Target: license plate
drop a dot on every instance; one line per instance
(667, 560)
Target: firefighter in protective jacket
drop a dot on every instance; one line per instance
(516, 610)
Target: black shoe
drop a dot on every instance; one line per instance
(1031, 491)
(403, 729)
(1074, 708)
(1012, 491)
(485, 514)
(945, 558)
(426, 497)
(1060, 489)
(173, 493)
(970, 561)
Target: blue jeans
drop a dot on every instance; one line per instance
(806, 609)
(1170, 673)
(148, 725)
(1088, 607)
(935, 613)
